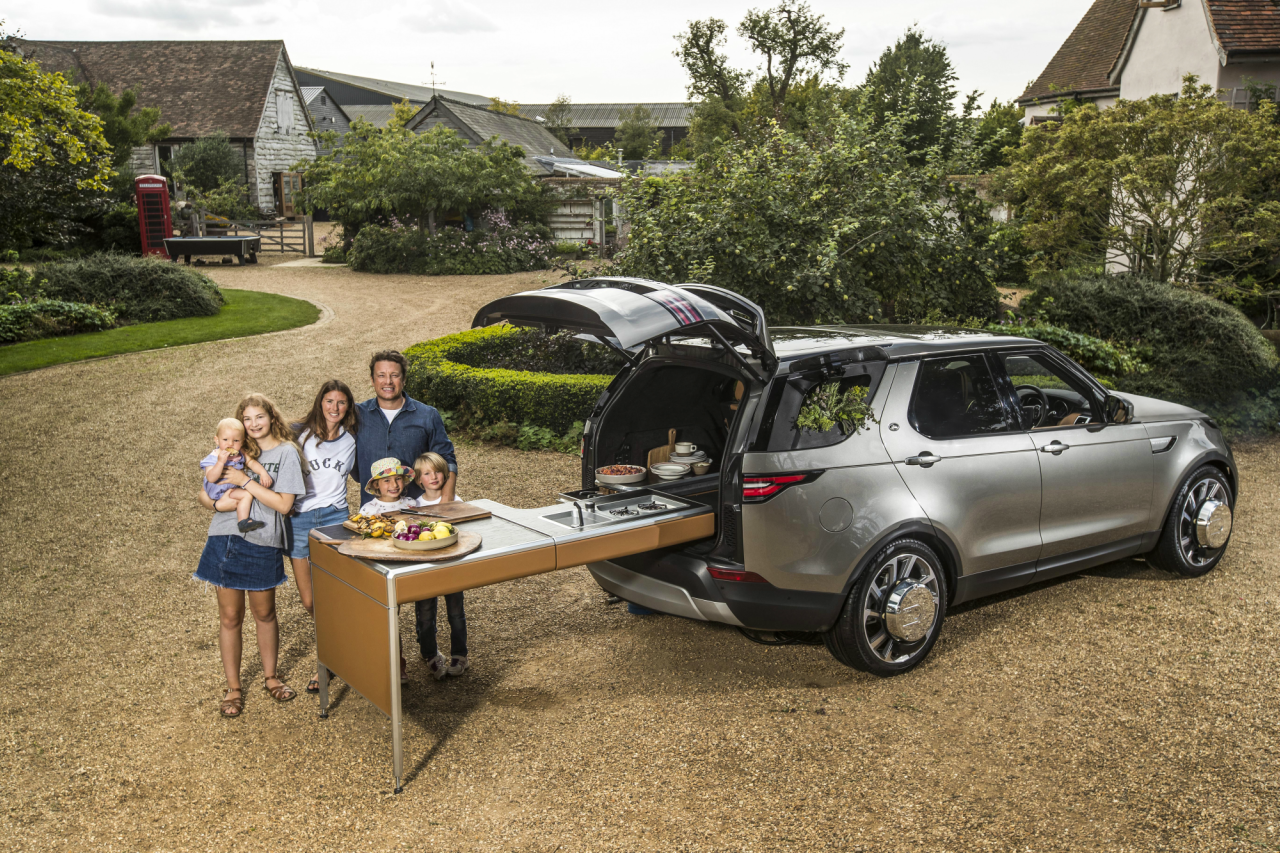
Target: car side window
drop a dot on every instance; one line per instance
(956, 396)
(1049, 395)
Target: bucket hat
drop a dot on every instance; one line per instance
(384, 468)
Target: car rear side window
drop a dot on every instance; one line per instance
(956, 396)
(787, 394)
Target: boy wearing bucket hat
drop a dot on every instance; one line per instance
(387, 481)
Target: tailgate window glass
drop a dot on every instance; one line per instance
(787, 394)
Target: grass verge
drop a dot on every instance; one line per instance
(246, 312)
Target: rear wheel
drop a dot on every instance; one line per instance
(894, 612)
(1198, 526)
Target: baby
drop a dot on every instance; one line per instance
(227, 454)
(432, 472)
(387, 482)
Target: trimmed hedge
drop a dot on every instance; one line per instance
(45, 318)
(138, 290)
(450, 373)
(510, 249)
(1201, 352)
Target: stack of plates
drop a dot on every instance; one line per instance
(688, 459)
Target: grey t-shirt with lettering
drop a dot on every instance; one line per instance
(285, 468)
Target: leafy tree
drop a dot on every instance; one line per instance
(510, 108)
(1177, 188)
(558, 119)
(208, 162)
(915, 78)
(54, 161)
(793, 43)
(637, 135)
(122, 127)
(381, 175)
(1000, 128)
(823, 228)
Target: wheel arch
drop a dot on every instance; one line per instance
(923, 530)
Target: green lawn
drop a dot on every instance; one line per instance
(246, 312)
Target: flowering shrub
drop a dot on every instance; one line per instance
(494, 248)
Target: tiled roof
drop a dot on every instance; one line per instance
(200, 86)
(407, 91)
(486, 124)
(1246, 26)
(606, 115)
(1083, 63)
(377, 115)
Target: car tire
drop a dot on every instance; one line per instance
(861, 637)
(1178, 549)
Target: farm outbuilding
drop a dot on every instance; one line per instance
(596, 124)
(245, 89)
(326, 113)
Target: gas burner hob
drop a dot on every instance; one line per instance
(652, 506)
(624, 511)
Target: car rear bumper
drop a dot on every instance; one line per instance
(679, 584)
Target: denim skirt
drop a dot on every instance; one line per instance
(297, 541)
(231, 562)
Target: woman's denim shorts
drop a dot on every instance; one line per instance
(232, 562)
(298, 542)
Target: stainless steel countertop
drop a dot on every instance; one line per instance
(510, 530)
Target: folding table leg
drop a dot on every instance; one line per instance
(393, 634)
(322, 676)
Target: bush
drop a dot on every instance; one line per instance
(1201, 352)
(45, 318)
(49, 254)
(505, 249)
(137, 290)
(334, 255)
(453, 374)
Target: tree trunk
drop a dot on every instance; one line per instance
(431, 222)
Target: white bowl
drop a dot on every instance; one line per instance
(670, 470)
(621, 479)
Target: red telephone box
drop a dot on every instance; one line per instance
(152, 193)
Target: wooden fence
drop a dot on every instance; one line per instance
(278, 235)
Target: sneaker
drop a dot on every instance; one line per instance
(250, 524)
(459, 664)
(438, 667)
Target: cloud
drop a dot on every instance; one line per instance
(450, 17)
(193, 13)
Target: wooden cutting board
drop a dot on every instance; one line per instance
(454, 512)
(383, 551)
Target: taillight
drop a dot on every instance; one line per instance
(734, 575)
(757, 488)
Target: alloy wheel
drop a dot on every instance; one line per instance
(1206, 490)
(902, 573)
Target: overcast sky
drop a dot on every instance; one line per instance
(532, 52)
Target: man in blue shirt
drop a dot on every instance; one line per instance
(394, 424)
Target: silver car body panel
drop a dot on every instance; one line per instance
(1149, 410)
(658, 595)
(1097, 490)
(983, 495)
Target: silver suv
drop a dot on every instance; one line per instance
(993, 462)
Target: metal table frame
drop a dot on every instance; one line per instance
(354, 597)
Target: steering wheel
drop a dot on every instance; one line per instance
(1042, 413)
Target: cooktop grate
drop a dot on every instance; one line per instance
(653, 505)
(624, 511)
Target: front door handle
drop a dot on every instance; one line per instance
(924, 460)
(1055, 447)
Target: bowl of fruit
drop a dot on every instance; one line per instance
(620, 475)
(428, 536)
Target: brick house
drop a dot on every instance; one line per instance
(245, 89)
(1132, 49)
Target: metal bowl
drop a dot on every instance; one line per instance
(621, 479)
(425, 544)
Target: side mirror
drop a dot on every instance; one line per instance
(1116, 411)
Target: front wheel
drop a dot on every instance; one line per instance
(894, 612)
(1198, 526)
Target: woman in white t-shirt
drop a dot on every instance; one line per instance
(327, 438)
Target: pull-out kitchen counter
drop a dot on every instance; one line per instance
(357, 601)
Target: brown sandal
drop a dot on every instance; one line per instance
(232, 707)
(281, 692)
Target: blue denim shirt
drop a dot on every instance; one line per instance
(415, 429)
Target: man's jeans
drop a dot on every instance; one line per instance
(426, 624)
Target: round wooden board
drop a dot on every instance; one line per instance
(383, 551)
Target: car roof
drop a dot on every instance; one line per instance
(898, 341)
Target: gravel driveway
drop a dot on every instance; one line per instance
(1121, 709)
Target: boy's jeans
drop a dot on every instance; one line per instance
(426, 624)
